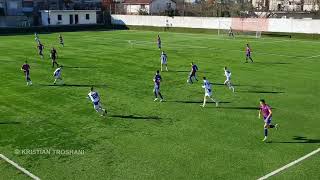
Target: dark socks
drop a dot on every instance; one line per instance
(160, 96)
(266, 132)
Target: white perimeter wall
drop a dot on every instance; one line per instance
(309, 26)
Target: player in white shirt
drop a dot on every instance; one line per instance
(207, 92)
(95, 99)
(36, 37)
(227, 74)
(164, 59)
(57, 75)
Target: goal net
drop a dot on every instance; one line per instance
(242, 27)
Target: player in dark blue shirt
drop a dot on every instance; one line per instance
(194, 69)
(40, 49)
(157, 79)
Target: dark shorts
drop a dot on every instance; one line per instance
(193, 73)
(27, 75)
(268, 122)
(96, 103)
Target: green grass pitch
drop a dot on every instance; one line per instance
(142, 139)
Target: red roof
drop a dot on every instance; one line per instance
(137, 2)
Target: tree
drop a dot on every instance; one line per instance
(67, 3)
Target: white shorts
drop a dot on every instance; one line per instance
(57, 77)
(96, 105)
(228, 79)
(164, 62)
(208, 93)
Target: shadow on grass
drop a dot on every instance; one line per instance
(136, 117)
(245, 85)
(240, 108)
(82, 67)
(74, 85)
(9, 122)
(272, 63)
(199, 102)
(299, 139)
(179, 71)
(260, 92)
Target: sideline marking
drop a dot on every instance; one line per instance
(19, 167)
(313, 56)
(290, 164)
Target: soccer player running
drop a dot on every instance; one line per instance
(40, 49)
(194, 69)
(36, 37)
(164, 59)
(159, 42)
(61, 40)
(207, 92)
(26, 70)
(227, 82)
(265, 110)
(157, 79)
(54, 55)
(95, 99)
(248, 53)
(57, 75)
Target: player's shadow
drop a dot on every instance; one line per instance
(218, 84)
(260, 92)
(81, 67)
(199, 102)
(221, 84)
(299, 139)
(179, 71)
(9, 122)
(75, 85)
(136, 117)
(273, 63)
(240, 108)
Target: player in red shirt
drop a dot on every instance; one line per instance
(26, 69)
(266, 112)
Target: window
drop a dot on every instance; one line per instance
(87, 16)
(143, 6)
(59, 17)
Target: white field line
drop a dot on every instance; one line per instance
(313, 56)
(202, 47)
(19, 167)
(290, 164)
(258, 40)
(138, 42)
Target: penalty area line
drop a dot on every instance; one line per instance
(290, 164)
(19, 167)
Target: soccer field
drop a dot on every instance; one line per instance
(143, 139)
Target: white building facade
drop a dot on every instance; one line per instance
(68, 17)
(148, 6)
